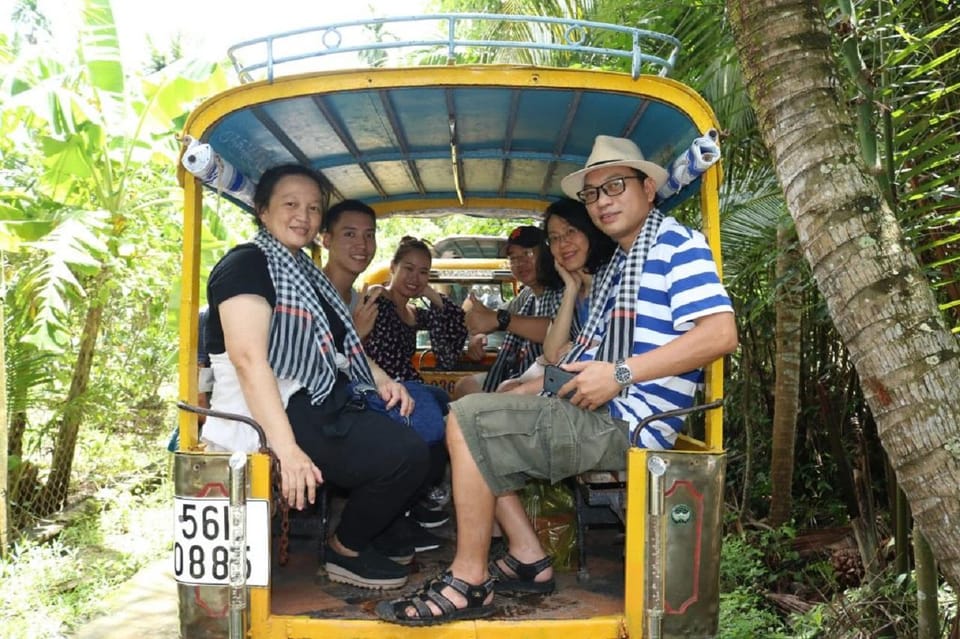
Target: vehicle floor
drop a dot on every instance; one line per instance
(301, 587)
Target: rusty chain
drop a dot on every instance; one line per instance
(280, 504)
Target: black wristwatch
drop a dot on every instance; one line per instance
(622, 373)
(503, 319)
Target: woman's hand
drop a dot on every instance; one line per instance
(518, 387)
(509, 385)
(477, 347)
(365, 313)
(299, 476)
(432, 296)
(392, 393)
(571, 280)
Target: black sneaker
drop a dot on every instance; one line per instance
(405, 531)
(428, 517)
(396, 548)
(369, 569)
(438, 497)
(424, 540)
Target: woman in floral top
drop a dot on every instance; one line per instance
(393, 340)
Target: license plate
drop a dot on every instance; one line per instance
(201, 541)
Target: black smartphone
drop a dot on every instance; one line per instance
(555, 377)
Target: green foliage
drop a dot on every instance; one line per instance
(745, 615)
(86, 130)
(90, 215)
(884, 608)
(740, 563)
(743, 611)
(49, 589)
(764, 558)
(904, 83)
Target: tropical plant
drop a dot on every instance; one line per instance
(879, 298)
(94, 147)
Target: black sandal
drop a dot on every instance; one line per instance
(395, 611)
(522, 580)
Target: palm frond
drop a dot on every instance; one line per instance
(74, 246)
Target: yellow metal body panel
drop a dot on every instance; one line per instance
(189, 310)
(288, 627)
(203, 609)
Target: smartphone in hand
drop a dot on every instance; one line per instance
(554, 378)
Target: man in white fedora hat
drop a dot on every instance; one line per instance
(658, 315)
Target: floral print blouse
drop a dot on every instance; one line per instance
(392, 342)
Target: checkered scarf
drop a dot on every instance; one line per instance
(517, 353)
(301, 345)
(615, 297)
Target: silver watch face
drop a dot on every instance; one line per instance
(622, 373)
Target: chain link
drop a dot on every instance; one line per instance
(280, 504)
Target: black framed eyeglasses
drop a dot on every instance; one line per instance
(566, 236)
(612, 187)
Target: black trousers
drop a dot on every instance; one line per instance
(438, 467)
(380, 463)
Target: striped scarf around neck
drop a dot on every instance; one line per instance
(613, 305)
(301, 344)
(518, 353)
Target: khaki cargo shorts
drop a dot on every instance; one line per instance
(514, 438)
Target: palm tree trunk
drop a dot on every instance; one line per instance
(4, 466)
(878, 297)
(786, 386)
(54, 494)
(928, 616)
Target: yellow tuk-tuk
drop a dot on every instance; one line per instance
(476, 133)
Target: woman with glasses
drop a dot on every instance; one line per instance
(578, 250)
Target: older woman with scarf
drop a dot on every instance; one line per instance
(284, 351)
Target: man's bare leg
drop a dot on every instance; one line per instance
(474, 504)
(523, 542)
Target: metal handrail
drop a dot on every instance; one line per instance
(635, 439)
(208, 412)
(269, 52)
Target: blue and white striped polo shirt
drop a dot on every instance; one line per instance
(679, 284)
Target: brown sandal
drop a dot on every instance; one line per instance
(395, 611)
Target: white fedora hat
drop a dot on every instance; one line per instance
(611, 151)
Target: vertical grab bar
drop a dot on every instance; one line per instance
(657, 468)
(238, 545)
